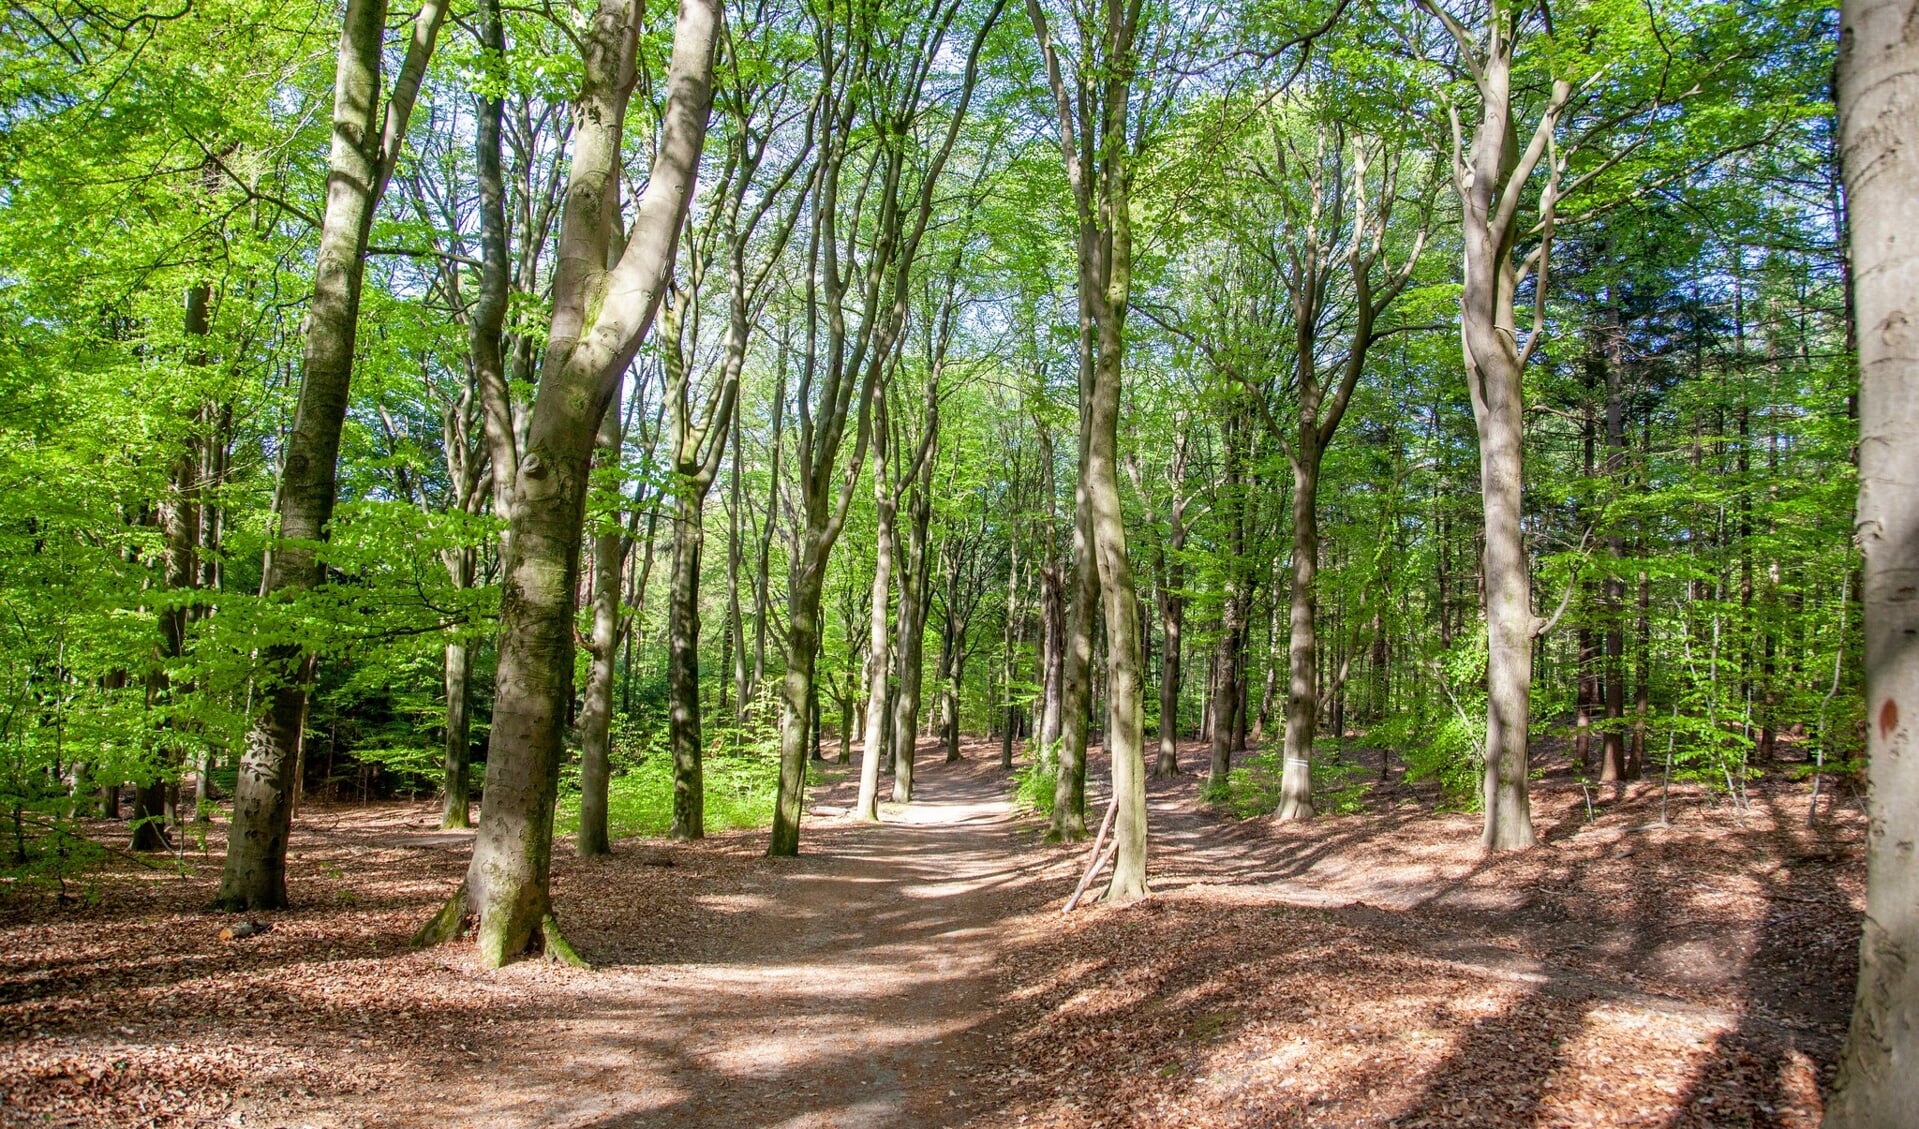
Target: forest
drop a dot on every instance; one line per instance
(618, 564)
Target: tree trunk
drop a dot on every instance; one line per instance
(599, 319)
(796, 691)
(1490, 185)
(359, 163)
(1878, 1085)
(912, 630)
(1068, 822)
(596, 711)
(683, 669)
(878, 699)
(1125, 688)
(1612, 755)
(456, 800)
(1302, 649)
(1172, 619)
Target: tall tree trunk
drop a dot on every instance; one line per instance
(878, 697)
(910, 660)
(599, 319)
(1302, 648)
(1231, 507)
(602, 646)
(1172, 620)
(1068, 821)
(1878, 1084)
(802, 645)
(1125, 687)
(364, 148)
(1490, 174)
(1612, 756)
(683, 668)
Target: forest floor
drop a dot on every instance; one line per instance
(1358, 970)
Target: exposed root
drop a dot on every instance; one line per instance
(556, 944)
(444, 925)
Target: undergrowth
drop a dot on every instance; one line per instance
(740, 772)
(1252, 786)
(1033, 785)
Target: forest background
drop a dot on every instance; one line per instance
(868, 390)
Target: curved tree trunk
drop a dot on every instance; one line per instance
(364, 148)
(599, 320)
(1879, 131)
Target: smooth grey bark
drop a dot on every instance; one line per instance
(366, 144)
(1878, 1085)
(599, 318)
(1488, 175)
(1094, 145)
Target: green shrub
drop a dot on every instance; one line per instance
(1034, 784)
(740, 773)
(1252, 787)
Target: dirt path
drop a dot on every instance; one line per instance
(851, 987)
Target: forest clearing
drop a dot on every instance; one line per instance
(959, 562)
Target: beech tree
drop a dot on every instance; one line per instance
(1878, 93)
(368, 134)
(600, 315)
(1097, 146)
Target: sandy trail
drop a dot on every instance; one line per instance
(853, 986)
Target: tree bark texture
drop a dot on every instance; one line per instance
(1878, 1084)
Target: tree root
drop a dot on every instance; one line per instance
(444, 925)
(556, 945)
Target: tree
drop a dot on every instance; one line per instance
(600, 315)
(1878, 96)
(367, 140)
(1097, 147)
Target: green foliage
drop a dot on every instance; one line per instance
(1454, 753)
(740, 772)
(1340, 787)
(1034, 782)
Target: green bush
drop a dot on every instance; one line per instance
(1252, 787)
(740, 772)
(1033, 785)
(1454, 752)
